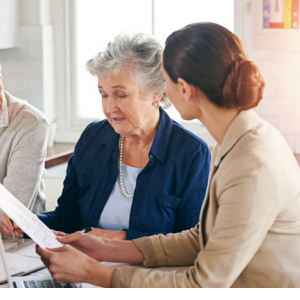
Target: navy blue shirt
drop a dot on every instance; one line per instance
(169, 190)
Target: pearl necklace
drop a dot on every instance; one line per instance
(122, 186)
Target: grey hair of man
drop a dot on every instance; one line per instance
(140, 54)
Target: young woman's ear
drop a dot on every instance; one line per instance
(188, 90)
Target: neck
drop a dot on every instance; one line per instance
(216, 119)
(144, 136)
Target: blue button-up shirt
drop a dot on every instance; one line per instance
(169, 190)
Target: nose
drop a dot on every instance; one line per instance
(109, 105)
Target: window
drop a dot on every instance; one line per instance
(93, 23)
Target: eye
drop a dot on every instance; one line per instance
(122, 96)
(104, 95)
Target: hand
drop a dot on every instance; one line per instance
(67, 264)
(104, 249)
(109, 234)
(59, 233)
(8, 227)
(86, 243)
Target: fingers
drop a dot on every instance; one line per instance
(68, 239)
(5, 220)
(60, 249)
(6, 226)
(58, 233)
(43, 253)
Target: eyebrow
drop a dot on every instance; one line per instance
(114, 87)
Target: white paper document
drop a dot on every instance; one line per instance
(26, 220)
(27, 249)
(10, 245)
(20, 265)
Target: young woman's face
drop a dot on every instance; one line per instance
(175, 93)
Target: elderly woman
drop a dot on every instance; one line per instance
(249, 229)
(137, 173)
(23, 145)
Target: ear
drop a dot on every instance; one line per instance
(188, 90)
(156, 99)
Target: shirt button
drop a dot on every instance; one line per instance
(151, 156)
(137, 189)
(134, 213)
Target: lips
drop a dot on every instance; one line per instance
(119, 119)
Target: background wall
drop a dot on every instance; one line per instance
(28, 71)
(281, 71)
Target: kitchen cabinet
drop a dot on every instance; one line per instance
(9, 23)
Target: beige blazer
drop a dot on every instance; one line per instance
(249, 229)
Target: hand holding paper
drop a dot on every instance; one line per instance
(26, 220)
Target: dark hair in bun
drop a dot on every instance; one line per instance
(213, 59)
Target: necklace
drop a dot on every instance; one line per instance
(122, 186)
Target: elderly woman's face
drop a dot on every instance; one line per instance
(125, 106)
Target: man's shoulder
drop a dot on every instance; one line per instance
(21, 110)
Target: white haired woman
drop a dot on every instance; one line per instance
(137, 173)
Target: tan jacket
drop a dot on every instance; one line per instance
(249, 229)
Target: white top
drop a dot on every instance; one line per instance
(116, 212)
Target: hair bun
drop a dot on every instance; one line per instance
(244, 85)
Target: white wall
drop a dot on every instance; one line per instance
(28, 70)
(281, 71)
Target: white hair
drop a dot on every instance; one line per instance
(139, 53)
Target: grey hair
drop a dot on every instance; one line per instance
(140, 53)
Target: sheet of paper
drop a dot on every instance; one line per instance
(9, 245)
(26, 220)
(19, 265)
(26, 249)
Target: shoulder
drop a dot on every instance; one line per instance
(95, 128)
(262, 151)
(187, 138)
(20, 110)
(96, 132)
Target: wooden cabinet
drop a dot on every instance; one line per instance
(9, 23)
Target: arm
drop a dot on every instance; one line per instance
(26, 165)
(247, 209)
(66, 216)
(188, 212)
(80, 262)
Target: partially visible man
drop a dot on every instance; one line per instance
(23, 144)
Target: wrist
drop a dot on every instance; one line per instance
(122, 234)
(101, 275)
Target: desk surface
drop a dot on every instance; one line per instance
(86, 285)
(45, 271)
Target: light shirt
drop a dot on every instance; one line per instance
(4, 121)
(116, 212)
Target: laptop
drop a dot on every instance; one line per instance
(31, 281)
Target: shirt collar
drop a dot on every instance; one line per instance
(161, 140)
(242, 123)
(4, 120)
